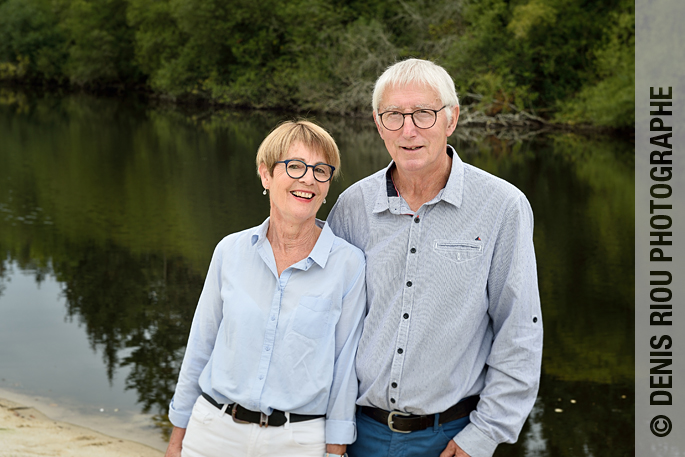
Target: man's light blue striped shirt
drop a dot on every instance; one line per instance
(452, 301)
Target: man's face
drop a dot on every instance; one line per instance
(414, 149)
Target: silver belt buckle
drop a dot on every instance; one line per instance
(390, 421)
(235, 419)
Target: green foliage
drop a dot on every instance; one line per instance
(539, 50)
(609, 100)
(101, 42)
(345, 68)
(527, 17)
(570, 60)
(31, 44)
(10, 71)
(157, 35)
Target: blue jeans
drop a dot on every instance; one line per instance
(377, 440)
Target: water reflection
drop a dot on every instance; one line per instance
(123, 203)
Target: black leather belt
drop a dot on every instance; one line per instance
(245, 416)
(405, 422)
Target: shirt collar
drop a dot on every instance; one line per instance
(324, 244)
(259, 234)
(454, 189)
(387, 198)
(322, 248)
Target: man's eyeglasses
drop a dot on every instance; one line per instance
(422, 118)
(297, 168)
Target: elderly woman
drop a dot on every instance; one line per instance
(269, 366)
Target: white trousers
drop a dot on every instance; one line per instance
(211, 433)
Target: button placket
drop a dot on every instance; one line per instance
(406, 311)
(269, 339)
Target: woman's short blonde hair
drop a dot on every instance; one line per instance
(277, 144)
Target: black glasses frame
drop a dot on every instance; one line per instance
(435, 111)
(287, 170)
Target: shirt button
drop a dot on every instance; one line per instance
(261, 376)
(394, 385)
(416, 219)
(267, 348)
(406, 315)
(400, 351)
(273, 318)
(413, 250)
(392, 400)
(408, 283)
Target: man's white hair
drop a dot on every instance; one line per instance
(417, 71)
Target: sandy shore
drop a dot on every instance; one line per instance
(26, 432)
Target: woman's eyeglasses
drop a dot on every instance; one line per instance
(296, 169)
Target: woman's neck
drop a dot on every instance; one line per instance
(291, 242)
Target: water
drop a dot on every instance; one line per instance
(110, 210)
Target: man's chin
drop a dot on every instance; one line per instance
(413, 164)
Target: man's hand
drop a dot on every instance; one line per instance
(453, 450)
(175, 441)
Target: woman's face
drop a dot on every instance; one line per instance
(295, 201)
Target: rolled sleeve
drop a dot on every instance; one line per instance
(340, 422)
(513, 374)
(474, 442)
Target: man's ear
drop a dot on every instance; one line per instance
(264, 175)
(378, 125)
(453, 123)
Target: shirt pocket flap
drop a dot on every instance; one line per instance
(458, 250)
(316, 303)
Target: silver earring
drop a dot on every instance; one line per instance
(324, 200)
(264, 193)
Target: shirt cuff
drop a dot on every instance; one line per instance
(340, 432)
(179, 419)
(474, 442)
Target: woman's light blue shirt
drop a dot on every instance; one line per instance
(270, 342)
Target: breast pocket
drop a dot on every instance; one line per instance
(311, 317)
(458, 251)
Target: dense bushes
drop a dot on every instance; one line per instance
(32, 45)
(567, 60)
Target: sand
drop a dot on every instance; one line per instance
(26, 432)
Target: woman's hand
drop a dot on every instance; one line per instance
(338, 449)
(175, 441)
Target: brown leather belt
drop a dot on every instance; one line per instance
(245, 416)
(405, 422)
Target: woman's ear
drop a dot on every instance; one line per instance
(264, 174)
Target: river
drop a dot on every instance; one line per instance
(110, 208)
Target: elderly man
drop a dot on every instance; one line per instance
(449, 358)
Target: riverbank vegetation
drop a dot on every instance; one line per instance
(560, 61)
